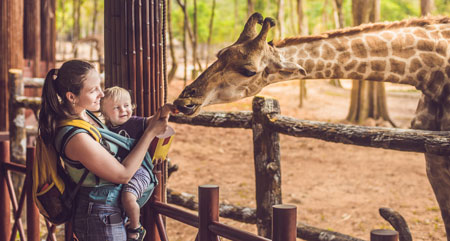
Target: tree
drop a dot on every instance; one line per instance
(250, 8)
(426, 7)
(368, 99)
(174, 67)
(302, 28)
(211, 21)
(280, 20)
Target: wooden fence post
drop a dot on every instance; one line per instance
(148, 217)
(17, 131)
(284, 223)
(32, 210)
(266, 149)
(5, 207)
(383, 235)
(208, 211)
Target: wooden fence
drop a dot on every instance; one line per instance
(266, 123)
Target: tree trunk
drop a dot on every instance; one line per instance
(368, 99)
(250, 8)
(338, 23)
(93, 32)
(76, 26)
(194, 43)
(302, 29)
(185, 31)
(211, 21)
(426, 7)
(280, 20)
(174, 67)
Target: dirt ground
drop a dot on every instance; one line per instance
(334, 186)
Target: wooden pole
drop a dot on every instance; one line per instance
(5, 209)
(11, 50)
(266, 150)
(139, 62)
(208, 211)
(32, 210)
(17, 130)
(383, 235)
(148, 215)
(284, 223)
(32, 35)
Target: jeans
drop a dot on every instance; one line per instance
(98, 222)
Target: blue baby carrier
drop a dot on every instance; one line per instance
(97, 189)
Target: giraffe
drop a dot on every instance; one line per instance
(414, 52)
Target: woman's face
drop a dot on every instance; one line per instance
(90, 93)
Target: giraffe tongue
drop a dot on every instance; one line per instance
(187, 109)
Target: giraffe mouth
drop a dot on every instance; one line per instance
(188, 109)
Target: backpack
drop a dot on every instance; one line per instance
(53, 190)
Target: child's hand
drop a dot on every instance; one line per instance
(167, 109)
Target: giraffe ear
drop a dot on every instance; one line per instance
(286, 68)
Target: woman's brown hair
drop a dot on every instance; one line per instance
(55, 106)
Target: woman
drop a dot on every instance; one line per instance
(70, 93)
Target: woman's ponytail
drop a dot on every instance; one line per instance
(50, 107)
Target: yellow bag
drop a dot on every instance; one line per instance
(53, 189)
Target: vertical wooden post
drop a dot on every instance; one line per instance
(32, 211)
(284, 223)
(208, 211)
(383, 235)
(5, 206)
(32, 34)
(17, 131)
(266, 150)
(148, 216)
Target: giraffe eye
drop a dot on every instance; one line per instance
(247, 73)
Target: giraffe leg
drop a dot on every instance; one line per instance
(430, 115)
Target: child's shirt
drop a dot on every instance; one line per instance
(133, 128)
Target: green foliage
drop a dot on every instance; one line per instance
(399, 9)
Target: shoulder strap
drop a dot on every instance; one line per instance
(83, 125)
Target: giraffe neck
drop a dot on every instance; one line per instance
(418, 56)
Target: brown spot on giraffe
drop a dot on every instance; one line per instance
(446, 34)
(309, 65)
(441, 47)
(397, 67)
(392, 78)
(447, 71)
(362, 68)
(425, 45)
(343, 57)
(409, 39)
(320, 65)
(421, 75)
(414, 65)
(420, 33)
(435, 83)
(387, 36)
(314, 49)
(329, 65)
(301, 62)
(328, 73)
(302, 54)
(377, 47)
(400, 49)
(431, 60)
(350, 65)
(378, 65)
(319, 75)
(328, 52)
(435, 34)
(375, 76)
(358, 48)
(354, 75)
(337, 71)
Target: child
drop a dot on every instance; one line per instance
(117, 108)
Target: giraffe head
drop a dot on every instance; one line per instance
(241, 70)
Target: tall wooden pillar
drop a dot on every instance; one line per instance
(32, 36)
(11, 50)
(133, 50)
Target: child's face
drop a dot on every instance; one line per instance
(119, 111)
